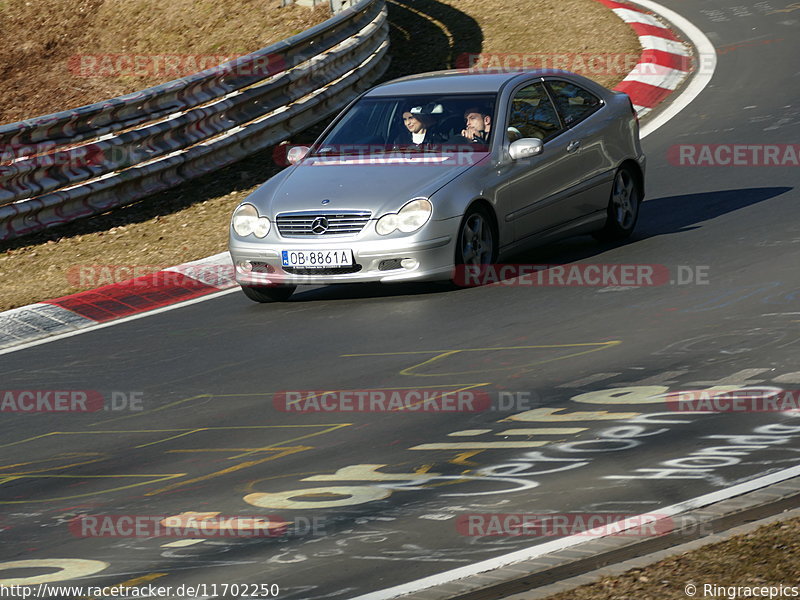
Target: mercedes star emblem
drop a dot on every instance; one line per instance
(319, 226)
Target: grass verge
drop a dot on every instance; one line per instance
(767, 556)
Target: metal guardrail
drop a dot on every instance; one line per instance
(115, 152)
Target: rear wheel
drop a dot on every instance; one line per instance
(623, 207)
(272, 293)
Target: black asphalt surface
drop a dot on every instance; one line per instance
(210, 435)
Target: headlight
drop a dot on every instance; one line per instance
(386, 224)
(246, 221)
(414, 215)
(409, 218)
(262, 227)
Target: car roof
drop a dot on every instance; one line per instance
(457, 81)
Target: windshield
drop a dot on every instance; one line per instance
(422, 123)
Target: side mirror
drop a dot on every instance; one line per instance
(525, 148)
(296, 154)
(513, 134)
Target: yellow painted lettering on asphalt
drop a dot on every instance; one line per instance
(279, 453)
(183, 543)
(207, 521)
(639, 394)
(68, 568)
(153, 438)
(789, 8)
(440, 355)
(368, 472)
(462, 458)
(142, 413)
(53, 463)
(479, 445)
(543, 431)
(320, 497)
(148, 479)
(555, 414)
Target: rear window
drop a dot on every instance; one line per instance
(574, 103)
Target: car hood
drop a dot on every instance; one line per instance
(379, 185)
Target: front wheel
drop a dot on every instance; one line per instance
(623, 207)
(476, 244)
(272, 293)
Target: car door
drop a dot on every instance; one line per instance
(581, 112)
(531, 188)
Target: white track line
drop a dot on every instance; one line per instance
(574, 540)
(707, 64)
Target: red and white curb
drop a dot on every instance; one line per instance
(663, 65)
(116, 301)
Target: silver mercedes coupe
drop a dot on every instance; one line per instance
(422, 175)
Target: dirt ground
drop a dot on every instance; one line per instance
(74, 52)
(191, 221)
(766, 557)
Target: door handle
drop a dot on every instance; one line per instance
(573, 146)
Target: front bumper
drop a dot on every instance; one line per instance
(432, 255)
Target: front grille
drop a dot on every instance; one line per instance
(331, 271)
(301, 224)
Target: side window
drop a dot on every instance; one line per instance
(573, 102)
(532, 114)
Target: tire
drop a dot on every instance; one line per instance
(273, 293)
(476, 243)
(623, 207)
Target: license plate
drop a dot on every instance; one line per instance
(317, 259)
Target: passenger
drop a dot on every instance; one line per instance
(418, 124)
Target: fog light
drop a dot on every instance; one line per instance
(409, 263)
(245, 266)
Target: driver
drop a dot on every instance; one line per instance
(478, 124)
